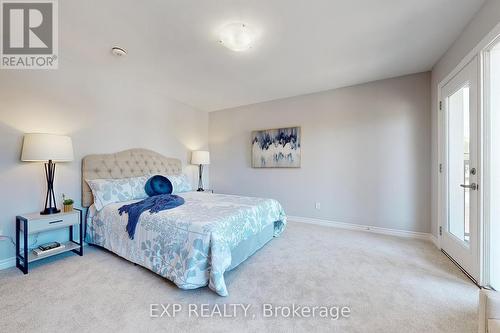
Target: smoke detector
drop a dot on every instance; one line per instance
(118, 51)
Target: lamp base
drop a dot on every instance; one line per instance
(50, 210)
(50, 198)
(200, 180)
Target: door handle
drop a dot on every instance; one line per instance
(472, 186)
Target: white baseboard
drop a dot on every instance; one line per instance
(7, 263)
(435, 240)
(351, 226)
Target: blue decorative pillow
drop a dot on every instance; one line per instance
(157, 185)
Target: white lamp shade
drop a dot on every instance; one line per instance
(44, 147)
(200, 157)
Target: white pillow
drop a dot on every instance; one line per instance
(108, 191)
(180, 183)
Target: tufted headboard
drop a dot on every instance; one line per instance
(124, 164)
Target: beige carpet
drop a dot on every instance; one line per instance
(391, 284)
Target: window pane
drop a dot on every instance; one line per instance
(458, 163)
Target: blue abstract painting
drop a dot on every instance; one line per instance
(276, 148)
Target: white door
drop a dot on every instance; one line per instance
(460, 169)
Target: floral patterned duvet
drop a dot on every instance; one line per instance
(190, 244)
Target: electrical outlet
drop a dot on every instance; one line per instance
(318, 205)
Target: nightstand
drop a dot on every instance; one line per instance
(37, 223)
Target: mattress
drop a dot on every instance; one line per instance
(192, 245)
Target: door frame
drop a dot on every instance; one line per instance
(485, 59)
(480, 50)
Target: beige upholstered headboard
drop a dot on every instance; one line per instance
(124, 164)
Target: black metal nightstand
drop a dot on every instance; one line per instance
(37, 223)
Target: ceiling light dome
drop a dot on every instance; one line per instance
(236, 36)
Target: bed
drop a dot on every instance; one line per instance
(192, 245)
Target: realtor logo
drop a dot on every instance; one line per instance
(29, 34)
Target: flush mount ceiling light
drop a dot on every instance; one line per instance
(236, 36)
(118, 51)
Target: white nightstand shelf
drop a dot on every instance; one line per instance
(37, 223)
(68, 246)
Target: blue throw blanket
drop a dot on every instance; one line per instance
(153, 204)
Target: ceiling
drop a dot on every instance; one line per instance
(303, 46)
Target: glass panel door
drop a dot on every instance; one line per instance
(460, 172)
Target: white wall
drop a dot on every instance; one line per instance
(365, 153)
(482, 23)
(103, 109)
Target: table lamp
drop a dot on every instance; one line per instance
(200, 158)
(48, 148)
